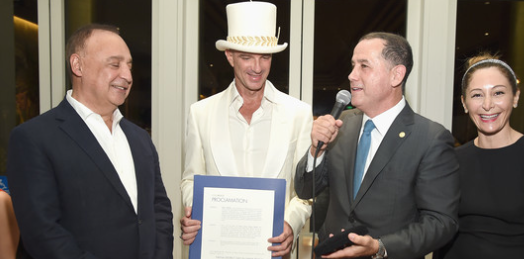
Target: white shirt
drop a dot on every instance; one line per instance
(382, 123)
(113, 142)
(250, 142)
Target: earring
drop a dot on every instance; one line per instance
(515, 105)
(466, 110)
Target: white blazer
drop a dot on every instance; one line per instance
(209, 152)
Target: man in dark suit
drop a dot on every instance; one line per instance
(408, 195)
(85, 181)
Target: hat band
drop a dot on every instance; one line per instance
(257, 41)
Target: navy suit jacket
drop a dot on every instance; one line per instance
(69, 200)
(409, 195)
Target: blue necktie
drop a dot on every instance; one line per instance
(362, 155)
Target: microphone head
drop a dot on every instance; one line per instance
(344, 97)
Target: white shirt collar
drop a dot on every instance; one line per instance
(269, 94)
(384, 120)
(85, 112)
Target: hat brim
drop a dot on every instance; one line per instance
(222, 45)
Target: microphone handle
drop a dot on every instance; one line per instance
(337, 110)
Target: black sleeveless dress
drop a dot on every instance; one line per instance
(491, 212)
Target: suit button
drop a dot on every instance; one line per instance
(139, 222)
(351, 218)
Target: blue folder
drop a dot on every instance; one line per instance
(202, 181)
(3, 183)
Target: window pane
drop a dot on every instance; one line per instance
(19, 68)
(494, 26)
(214, 72)
(133, 18)
(338, 26)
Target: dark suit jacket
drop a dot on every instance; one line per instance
(69, 200)
(409, 195)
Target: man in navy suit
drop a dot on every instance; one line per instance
(408, 194)
(85, 181)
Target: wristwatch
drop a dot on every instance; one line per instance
(381, 251)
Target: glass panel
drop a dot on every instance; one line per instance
(19, 68)
(133, 18)
(338, 26)
(495, 26)
(214, 72)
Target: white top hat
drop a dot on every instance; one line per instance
(251, 28)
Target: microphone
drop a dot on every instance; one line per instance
(342, 100)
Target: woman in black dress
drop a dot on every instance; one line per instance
(491, 211)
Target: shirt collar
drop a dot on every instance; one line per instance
(269, 94)
(384, 120)
(85, 112)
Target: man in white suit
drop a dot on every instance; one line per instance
(250, 129)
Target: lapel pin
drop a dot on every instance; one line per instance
(402, 134)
